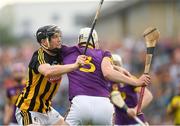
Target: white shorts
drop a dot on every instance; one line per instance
(37, 118)
(90, 110)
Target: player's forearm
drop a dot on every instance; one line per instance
(62, 69)
(119, 77)
(117, 68)
(55, 70)
(114, 75)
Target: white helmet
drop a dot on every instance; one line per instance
(84, 34)
(117, 59)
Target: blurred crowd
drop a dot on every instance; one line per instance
(165, 72)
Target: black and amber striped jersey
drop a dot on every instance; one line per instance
(39, 90)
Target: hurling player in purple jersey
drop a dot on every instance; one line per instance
(88, 86)
(130, 95)
(18, 78)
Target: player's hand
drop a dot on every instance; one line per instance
(144, 80)
(80, 61)
(131, 112)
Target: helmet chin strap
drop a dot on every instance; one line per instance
(53, 51)
(46, 47)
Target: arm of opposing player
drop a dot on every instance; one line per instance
(53, 70)
(114, 75)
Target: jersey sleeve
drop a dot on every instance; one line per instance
(37, 59)
(108, 54)
(66, 50)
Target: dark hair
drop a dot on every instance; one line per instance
(46, 32)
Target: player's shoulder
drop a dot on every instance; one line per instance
(39, 52)
(35, 54)
(65, 48)
(102, 51)
(106, 50)
(106, 53)
(34, 57)
(176, 98)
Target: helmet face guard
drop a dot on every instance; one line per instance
(84, 34)
(91, 43)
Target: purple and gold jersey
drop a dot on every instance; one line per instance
(88, 79)
(12, 95)
(130, 97)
